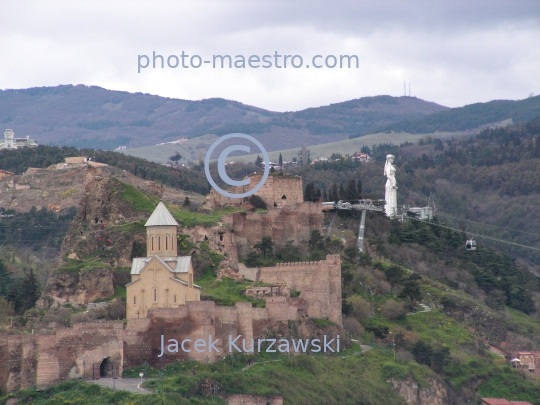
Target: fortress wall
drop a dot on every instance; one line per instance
(272, 192)
(226, 325)
(4, 360)
(278, 308)
(292, 222)
(42, 360)
(249, 273)
(29, 361)
(90, 343)
(137, 342)
(319, 284)
(244, 312)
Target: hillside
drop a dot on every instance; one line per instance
(468, 117)
(441, 355)
(94, 117)
(487, 185)
(423, 307)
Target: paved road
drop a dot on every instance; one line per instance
(124, 384)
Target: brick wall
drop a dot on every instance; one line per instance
(293, 222)
(319, 284)
(44, 359)
(278, 191)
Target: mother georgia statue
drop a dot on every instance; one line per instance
(390, 195)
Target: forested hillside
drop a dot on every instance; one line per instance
(488, 185)
(90, 116)
(468, 117)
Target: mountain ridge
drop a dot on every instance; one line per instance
(90, 116)
(468, 117)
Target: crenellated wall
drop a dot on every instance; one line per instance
(319, 284)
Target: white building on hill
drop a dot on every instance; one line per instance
(10, 142)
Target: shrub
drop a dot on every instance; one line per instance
(351, 252)
(361, 308)
(257, 202)
(393, 310)
(354, 327)
(404, 357)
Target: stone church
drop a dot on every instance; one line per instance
(162, 279)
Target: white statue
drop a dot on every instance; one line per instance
(390, 195)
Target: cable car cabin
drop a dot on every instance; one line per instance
(470, 244)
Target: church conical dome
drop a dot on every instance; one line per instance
(161, 216)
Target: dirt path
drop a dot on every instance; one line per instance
(123, 384)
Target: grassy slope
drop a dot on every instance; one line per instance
(349, 146)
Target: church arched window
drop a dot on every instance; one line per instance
(159, 242)
(152, 243)
(155, 294)
(166, 242)
(174, 298)
(134, 300)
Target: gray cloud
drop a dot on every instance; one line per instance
(453, 53)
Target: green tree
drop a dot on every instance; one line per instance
(289, 252)
(334, 196)
(176, 158)
(351, 252)
(266, 245)
(187, 203)
(30, 290)
(316, 240)
(253, 259)
(342, 195)
(440, 358)
(422, 352)
(280, 161)
(311, 193)
(351, 193)
(411, 291)
(259, 162)
(394, 274)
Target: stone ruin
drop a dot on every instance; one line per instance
(91, 350)
(279, 190)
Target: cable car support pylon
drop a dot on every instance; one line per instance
(358, 205)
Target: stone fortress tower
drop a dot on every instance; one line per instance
(162, 279)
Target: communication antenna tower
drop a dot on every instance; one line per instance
(431, 201)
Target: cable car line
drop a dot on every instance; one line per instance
(483, 236)
(481, 223)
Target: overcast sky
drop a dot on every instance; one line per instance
(452, 52)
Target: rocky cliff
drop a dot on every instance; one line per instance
(87, 286)
(413, 394)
